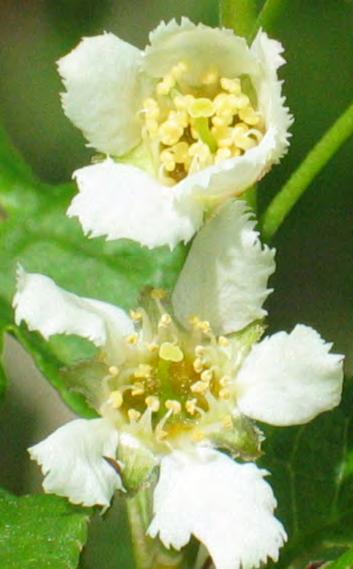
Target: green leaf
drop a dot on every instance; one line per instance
(312, 476)
(40, 532)
(344, 562)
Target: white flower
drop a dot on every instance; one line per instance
(187, 380)
(195, 118)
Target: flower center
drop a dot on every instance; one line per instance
(171, 378)
(188, 129)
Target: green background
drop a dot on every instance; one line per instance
(314, 279)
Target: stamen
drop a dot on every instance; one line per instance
(173, 405)
(197, 365)
(199, 387)
(223, 341)
(158, 293)
(191, 405)
(153, 403)
(207, 375)
(197, 435)
(225, 380)
(143, 371)
(136, 315)
(227, 422)
(224, 394)
(231, 85)
(113, 371)
(132, 339)
(137, 389)
(165, 320)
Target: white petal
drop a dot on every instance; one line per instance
(103, 91)
(224, 279)
(50, 310)
(72, 461)
(288, 379)
(202, 49)
(225, 505)
(121, 201)
(269, 93)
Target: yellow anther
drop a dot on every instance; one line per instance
(224, 393)
(158, 293)
(207, 375)
(223, 135)
(244, 142)
(197, 365)
(225, 380)
(231, 85)
(223, 120)
(136, 315)
(168, 160)
(152, 347)
(197, 435)
(200, 351)
(225, 104)
(201, 107)
(179, 117)
(133, 415)
(242, 101)
(132, 339)
(227, 422)
(116, 399)
(152, 127)
(153, 403)
(180, 152)
(165, 320)
(113, 370)
(164, 87)
(210, 77)
(249, 115)
(200, 150)
(223, 341)
(205, 327)
(171, 352)
(151, 107)
(160, 434)
(173, 405)
(222, 154)
(138, 389)
(143, 371)
(170, 132)
(202, 325)
(182, 102)
(191, 405)
(199, 387)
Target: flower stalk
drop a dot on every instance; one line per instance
(301, 179)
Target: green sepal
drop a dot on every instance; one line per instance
(243, 439)
(138, 463)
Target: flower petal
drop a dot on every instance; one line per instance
(50, 310)
(288, 379)
(224, 279)
(103, 91)
(72, 461)
(121, 201)
(225, 505)
(202, 49)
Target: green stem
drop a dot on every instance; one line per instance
(268, 15)
(239, 15)
(149, 553)
(322, 152)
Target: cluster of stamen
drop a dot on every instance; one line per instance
(171, 379)
(188, 129)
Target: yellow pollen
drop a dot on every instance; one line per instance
(242, 101)
(132, 339)
(143, 371)
(210, 77)
(223, 341)
(168, 160)
(152, 347)
(171, 352)
(116, 399)
(165, 320)
(158, 293)
(136, 315)
(227, 422)
(191, 405)
(249, 115)
(153, 403)
(133, 415)
(200, 350)
(231, 85)
(165, 86)
(199, 387)
(173, 405)
(170, 132)
(113, 370)
(224, 393)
